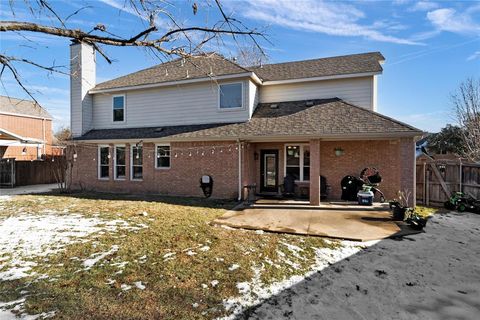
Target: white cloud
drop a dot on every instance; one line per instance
(448, 19)
(332, 18)
(424, 6)
(474, 56)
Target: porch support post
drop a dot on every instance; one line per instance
(315, 172)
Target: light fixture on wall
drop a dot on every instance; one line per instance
(339, 152)
(24, 151)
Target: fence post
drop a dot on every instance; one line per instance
(424, 186)
(461, 175)
(427, 188)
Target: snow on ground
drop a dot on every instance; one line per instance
(432, 275)
(27, 236)
(255, 291)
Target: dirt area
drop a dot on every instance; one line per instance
(433, 275)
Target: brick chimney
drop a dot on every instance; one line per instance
(82, 79)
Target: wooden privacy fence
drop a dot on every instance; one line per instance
(36, 172)
(437, 179)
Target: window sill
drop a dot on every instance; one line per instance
(120, 179)
(104, 179)
(136, 180)
(162, 168)
(231, 109)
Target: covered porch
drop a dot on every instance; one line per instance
(318, 166)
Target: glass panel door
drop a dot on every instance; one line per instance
(269, 170)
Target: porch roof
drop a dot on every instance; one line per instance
(322, 118)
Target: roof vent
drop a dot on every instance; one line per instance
(274, 106)
(309, 103)
(158, 130)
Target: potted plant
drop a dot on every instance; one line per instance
(399, 206)
(416, 221)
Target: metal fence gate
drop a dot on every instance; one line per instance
(7, 172)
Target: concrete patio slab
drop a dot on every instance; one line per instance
(335, 222)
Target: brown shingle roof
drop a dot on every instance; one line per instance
(23, 107)
(355, 63)
(314, 118)
(215, 65)
(180, 69)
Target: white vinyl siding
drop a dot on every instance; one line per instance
(358, 91)
(252, 97)
(169, 106)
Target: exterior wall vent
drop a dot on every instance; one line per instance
(309, 103)
(274, 106)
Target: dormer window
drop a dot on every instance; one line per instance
(231, 96)
(118, 108)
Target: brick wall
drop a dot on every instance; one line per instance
(394, 159)
(182, 178)
(30, 128)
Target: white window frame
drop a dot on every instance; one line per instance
(156, 155)
(115, 162)
(242, 107)
(100, 146)
(124, 108)
(131, 162)
(301, 164)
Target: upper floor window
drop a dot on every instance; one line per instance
(118, 108)
(231, 96)
(163, 156)
(103, 162)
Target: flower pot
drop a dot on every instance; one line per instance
(399, 213)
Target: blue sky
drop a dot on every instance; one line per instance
(429, 46)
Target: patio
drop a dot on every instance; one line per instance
(333, 220)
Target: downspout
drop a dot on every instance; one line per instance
(239, 170)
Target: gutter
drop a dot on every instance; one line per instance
(272, 138)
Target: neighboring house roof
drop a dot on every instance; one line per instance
(214, 65)
(341, 65)
(22, 107)
(197, 67)
(327, 118)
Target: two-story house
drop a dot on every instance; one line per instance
(159, 130)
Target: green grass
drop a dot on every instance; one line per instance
(172, 286)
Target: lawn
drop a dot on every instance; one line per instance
(105, 256)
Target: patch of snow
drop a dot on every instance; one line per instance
(259, 231)
(204, 248)
(219, 259)
(204, 286)
(195, 305)
(89, 263)
(168, 255)
(139, 285)
(191, 253)
(233, 267)
(125, 287)
(214, 283)
(110, 281)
